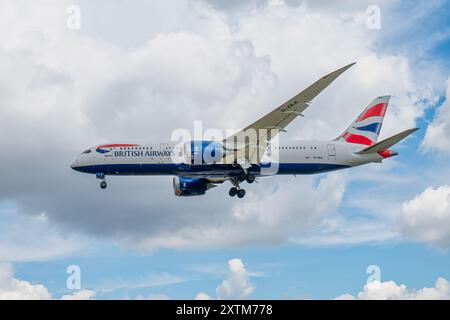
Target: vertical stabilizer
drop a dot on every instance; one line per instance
(366, 128)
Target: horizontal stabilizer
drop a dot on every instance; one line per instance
(387, 143)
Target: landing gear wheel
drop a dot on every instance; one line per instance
(103, 184)
(242, 176)
(250, 178)
(233, 191)
(241, 193)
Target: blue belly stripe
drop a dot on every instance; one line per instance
(179, 169)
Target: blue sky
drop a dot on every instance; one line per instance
(113, 80)
(283, 272)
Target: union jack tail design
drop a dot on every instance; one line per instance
(366, 128)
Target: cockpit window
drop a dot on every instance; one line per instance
(86, 151)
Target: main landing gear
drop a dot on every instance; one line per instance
(235, 191)
(244, 176)
(241, 177)
(101, 175)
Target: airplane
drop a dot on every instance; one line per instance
(199, 165)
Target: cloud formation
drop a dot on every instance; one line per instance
(237, 284)
(438, 131)
(80, 295)
(390, 290)
(15, 289)
(427, 217)
(15, 245)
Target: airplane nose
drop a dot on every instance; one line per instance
(74, 164)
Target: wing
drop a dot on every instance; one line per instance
(272, 123)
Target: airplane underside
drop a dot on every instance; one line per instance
(194, 180)
(209, 170)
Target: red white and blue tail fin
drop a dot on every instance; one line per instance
(366, 128)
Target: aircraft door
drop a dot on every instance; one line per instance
(331, 150)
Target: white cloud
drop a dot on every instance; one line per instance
(202, 296)
(260, 218)
(15, 289)
(15, 245)
(338, 230)
(427, 216)
(364, 220)
(80, 295)
(236, 285)
(390, 290)
(438, 131)
(376, 73)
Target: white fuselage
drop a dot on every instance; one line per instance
(290, 157)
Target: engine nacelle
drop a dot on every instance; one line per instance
(185, 187)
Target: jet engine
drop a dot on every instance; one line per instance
(185, 187)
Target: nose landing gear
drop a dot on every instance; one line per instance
(101, 175)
